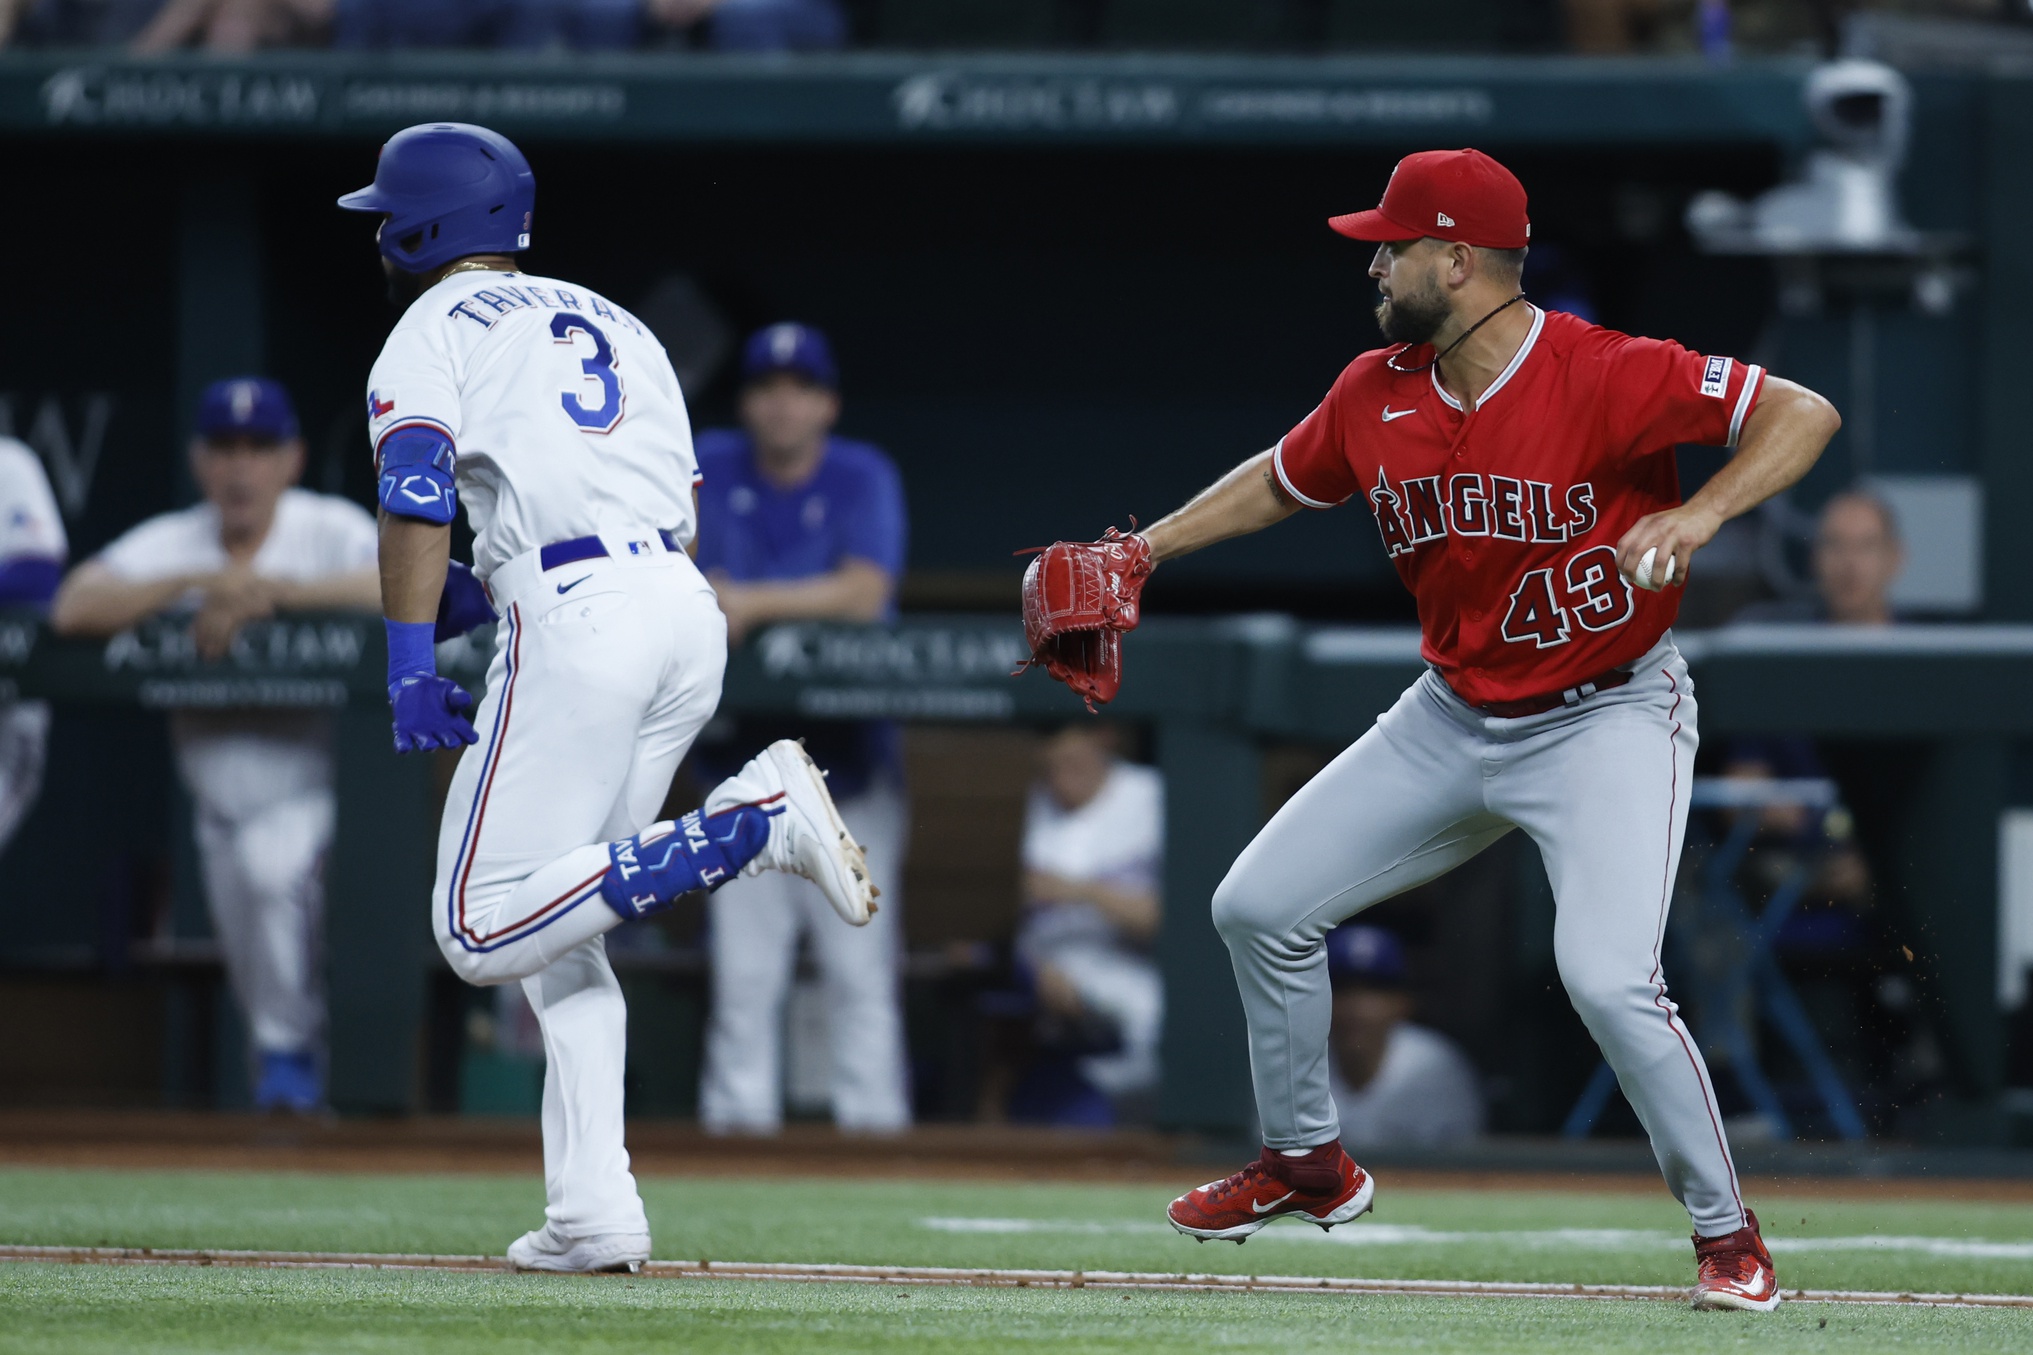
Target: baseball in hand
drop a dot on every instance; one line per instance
(1643, 578)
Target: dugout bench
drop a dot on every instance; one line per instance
(1213, 692)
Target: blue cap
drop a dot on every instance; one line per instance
(789, 347)
(246, 406)
(1362, 954)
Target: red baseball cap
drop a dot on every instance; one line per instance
(1451, 195)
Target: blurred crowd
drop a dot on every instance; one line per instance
(1715, 27)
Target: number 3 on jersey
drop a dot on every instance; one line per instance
(1595, 595)
(593, 418)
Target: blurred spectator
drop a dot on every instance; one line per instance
(580, 25)
(235, 26)
(74, 23)
(261, 780)
(1394, 1083)
(1093, 855)
(515, 25)
(1857, 555)
(1858, 908)
(33, 549)
(798, 524)
(1604, 27)
(756, 25)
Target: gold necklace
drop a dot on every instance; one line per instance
(474, 266)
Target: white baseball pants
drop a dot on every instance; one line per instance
(24, 740)
(596, 690)
(1601, 787)
(261, 788)
(755, 926)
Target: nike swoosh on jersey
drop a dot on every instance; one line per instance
(568, 587)
(1256, 1208)
(1390, 413)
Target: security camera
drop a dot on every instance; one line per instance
(1863, 109)
(1846, 200)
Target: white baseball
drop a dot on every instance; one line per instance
(1643, 578)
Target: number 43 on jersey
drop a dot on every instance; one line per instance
(1587, 591)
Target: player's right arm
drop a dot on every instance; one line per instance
(413, 419)
(1247, 499)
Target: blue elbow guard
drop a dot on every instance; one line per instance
(416, 475)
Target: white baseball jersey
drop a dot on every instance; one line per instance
(314, 536)
(566, 414)
(30, 525)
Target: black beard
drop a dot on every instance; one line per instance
(1412, 319)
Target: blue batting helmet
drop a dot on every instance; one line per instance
(448, 189)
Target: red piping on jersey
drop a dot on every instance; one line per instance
(1657, 979)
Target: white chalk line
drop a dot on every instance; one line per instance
(1573, 1239)
(982, 1278)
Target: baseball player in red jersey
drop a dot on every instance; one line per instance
(1519, 465)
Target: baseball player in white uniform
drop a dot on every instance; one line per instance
(261, 781)
(555, 415)
(33, 549)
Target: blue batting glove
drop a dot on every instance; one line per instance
(463, 606)
(429, 710)
(430, 713)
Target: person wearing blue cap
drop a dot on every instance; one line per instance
(261, 782)
(798, 523)
(1395, 1083)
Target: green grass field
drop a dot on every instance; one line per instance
(1597, 1238)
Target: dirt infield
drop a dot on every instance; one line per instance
(991, 1279)
(426, 1144)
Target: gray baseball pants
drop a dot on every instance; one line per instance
(1601, 786)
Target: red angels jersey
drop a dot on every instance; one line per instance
(1504, 522)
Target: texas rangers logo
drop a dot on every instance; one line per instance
(377, 407)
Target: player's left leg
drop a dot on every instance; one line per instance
(265, 894)
(860, 967)
(1603, 791)
(282, 855)
(594, 1217)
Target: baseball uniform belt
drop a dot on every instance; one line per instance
(590, 548)
(1566, 696)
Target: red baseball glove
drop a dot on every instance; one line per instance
(1079, 598)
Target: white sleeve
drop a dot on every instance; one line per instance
(154, 549)
(414, 383)
(1035, 854)
(30, 525)
(351, 539)
(1144, 826)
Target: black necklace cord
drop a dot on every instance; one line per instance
(1434, 361)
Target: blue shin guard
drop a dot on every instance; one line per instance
(649, 871)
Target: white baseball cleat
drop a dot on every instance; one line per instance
(807, 838)
(549, 1249)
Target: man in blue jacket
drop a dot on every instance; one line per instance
(796, 523)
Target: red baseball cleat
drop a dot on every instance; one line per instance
(1323, 1187)
(1736, 1271)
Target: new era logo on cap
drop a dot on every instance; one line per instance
(1445, 220)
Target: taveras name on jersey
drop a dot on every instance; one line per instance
(563, 408)
(1504, 522)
